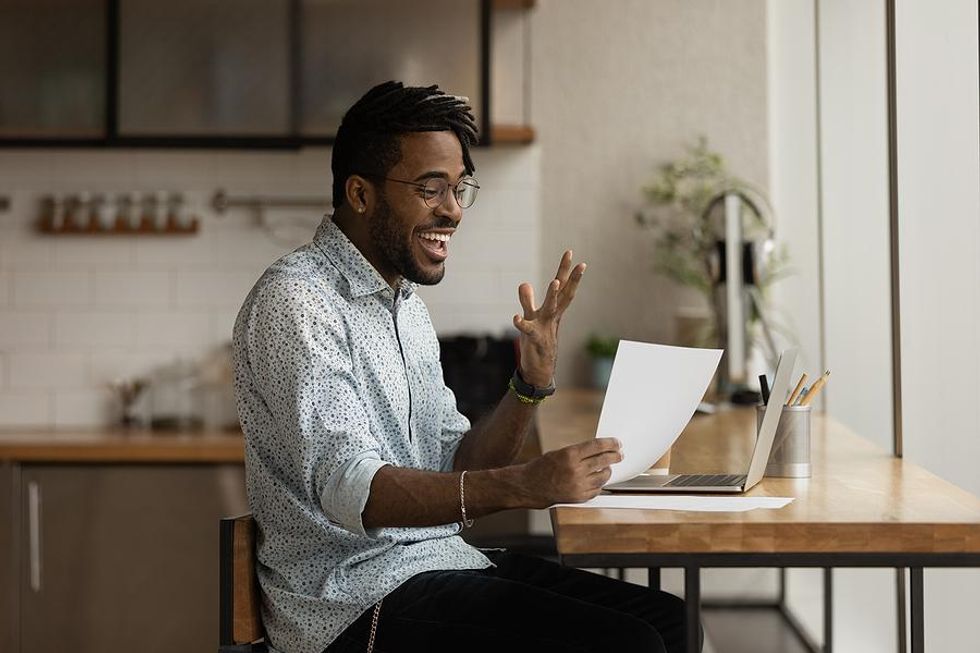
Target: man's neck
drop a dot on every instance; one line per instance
(355, 227)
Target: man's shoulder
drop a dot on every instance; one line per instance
(300, 278)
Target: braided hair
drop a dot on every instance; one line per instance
(367, 139)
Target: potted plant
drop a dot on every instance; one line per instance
(684, 210)
(603, 352)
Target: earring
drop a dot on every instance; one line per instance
(360, 209)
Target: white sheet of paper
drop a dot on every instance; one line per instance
(680, 502)
(652, 394)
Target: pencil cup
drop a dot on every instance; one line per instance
(790, 455)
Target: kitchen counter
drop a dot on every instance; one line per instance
(121, 446)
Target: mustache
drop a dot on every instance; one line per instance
(443, 223)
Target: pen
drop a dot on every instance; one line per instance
(797, 390)
(815, 389)
(764, 385)
(803, 394)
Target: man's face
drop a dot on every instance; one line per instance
(411, 237)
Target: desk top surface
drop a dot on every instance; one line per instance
(860, 498)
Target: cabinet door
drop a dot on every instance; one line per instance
(348, 46)
(123, 557)
(52, 65)
(204, 68)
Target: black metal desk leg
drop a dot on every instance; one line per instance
(692, 600)
(828, 609)
(653, 578)
(916, 608)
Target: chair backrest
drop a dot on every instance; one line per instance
(240, 618)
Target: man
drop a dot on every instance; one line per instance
(361, 472)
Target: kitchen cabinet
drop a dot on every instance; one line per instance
(215, 68)
(116, 557)
(419, 43)
(244, 73)
(53, 67)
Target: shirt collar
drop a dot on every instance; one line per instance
(362, 277)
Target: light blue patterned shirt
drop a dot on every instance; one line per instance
(337, 375)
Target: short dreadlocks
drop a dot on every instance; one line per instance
(367, 139)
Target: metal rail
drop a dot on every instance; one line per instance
(221, 201)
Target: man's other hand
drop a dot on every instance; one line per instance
(570, 475)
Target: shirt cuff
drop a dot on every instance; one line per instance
(346, 492)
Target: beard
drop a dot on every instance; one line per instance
(387, 236)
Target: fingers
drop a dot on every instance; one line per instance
(564, 267)
(525, 293)
(550, 305)
(522, 325)
(597, 446)
(603, 460)
(600, 478)
(569, 287)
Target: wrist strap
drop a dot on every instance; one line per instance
(462, 501)
(528, 393)
(524, 399)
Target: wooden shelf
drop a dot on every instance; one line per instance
(119, 230)
(514, 4)
(511, 134)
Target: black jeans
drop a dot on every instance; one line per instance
(522, 604)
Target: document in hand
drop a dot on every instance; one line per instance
(653, 392)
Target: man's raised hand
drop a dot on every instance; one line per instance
(539, 325)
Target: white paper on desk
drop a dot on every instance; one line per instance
(652, 394)
(680, 502)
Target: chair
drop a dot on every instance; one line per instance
(240, 623)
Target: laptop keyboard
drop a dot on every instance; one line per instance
(707, 480)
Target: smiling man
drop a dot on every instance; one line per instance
(361, 471)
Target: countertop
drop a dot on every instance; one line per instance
(117, 445)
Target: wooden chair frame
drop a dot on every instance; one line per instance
(240, 620)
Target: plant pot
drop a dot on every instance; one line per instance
(601, 369)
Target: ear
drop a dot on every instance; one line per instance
(359, 194)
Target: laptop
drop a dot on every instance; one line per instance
(732, 483)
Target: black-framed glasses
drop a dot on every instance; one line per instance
(433, 190)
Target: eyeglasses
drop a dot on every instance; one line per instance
(434, 190)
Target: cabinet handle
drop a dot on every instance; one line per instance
(34, 511)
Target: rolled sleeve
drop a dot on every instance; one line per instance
(346, 491)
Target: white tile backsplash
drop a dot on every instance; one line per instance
(94, 329)
(35, 288)
(47, 369)
(25, 408)
(207, 288)
(78, 312)
(83, 408)
(133, 289)
(6, 280)
(171, 328)
(19, 328)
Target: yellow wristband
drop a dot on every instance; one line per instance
(522, 398)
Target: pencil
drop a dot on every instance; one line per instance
(796, 390)
(815, 389)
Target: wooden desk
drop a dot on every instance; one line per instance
(861, 508)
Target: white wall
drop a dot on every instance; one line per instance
(619, 87)
(939, 238)
(77, 312)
